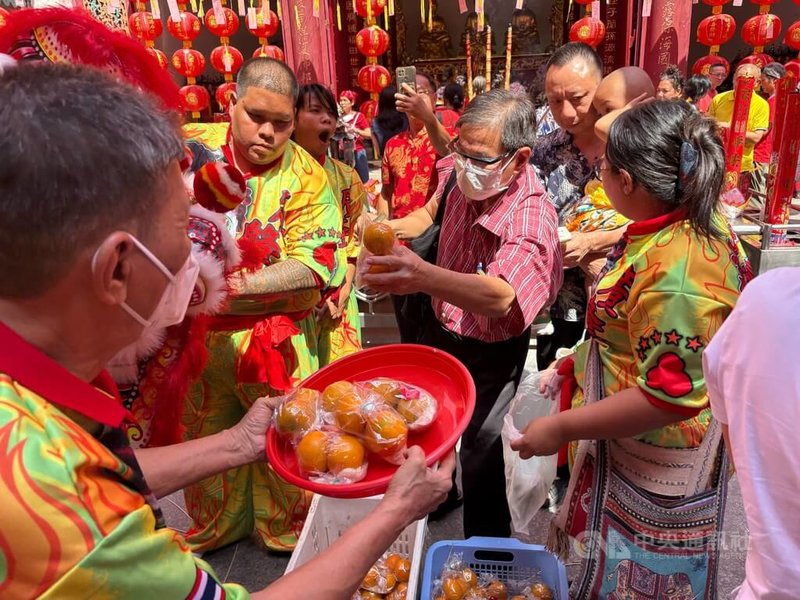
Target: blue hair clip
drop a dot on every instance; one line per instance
(687, 165)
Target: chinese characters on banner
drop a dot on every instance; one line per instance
(615, 48)
(666, 35)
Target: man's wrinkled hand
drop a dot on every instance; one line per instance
(416, 490)
(404, 272)
(576, 249)
(542, 437)
(250, 434)
(413, 104)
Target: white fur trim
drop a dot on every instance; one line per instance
(213, 276)
(124, 367)
(232, 254)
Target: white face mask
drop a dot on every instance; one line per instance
(176, 297)
(477, 183)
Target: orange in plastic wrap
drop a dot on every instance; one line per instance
(399, 592)
(367, 595)
(344, 452)
(386, 433)
(333, 393)
(297, 415)
(387, 389)
(347, 413)
(496, 590)
(454, 587)
(312, 452)
(540, 591)
(403, 570)
(379, 238)
(470, 577)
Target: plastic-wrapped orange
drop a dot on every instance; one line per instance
(344, 452)
(403, 570)
(496, 590)
(386, 432)
(296, 416)
(312, 452)
(379, 238)
(347, 413)
(332, 394)
(540, 591)
(454, 587)
(399, 592)
(470, 577)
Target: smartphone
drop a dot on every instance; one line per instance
(407, 75)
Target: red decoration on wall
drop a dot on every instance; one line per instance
(716, 30)
(194, 98)
(372, 41)
(761, 30)
(588, 30)
(373, 78)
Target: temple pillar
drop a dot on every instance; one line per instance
(666, 31)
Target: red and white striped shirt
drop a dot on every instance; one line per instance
(516, 239)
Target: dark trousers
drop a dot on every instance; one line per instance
(565, 335)
(410, 312)
(496, 369)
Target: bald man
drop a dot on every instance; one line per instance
(721, 109)
(289, 226)
(622, 86)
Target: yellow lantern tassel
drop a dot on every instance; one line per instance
(422, 11)
(297, 20)
(386, 20)
(391, 8)
(279, 11)
(202, 12)
(194, 6)
(338, 16)
(355, 8)
(430, 15)
(369, 12)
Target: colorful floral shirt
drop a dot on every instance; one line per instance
(564, 172)
(662, 296)
(289, 212)
(409, 166)
(76, 517)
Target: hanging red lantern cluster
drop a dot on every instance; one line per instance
(3, 18)
(145, 27)
(224, 22)
(716, 30)
(704, 64)
(188, 62)
(372, 42)
(264, 24)
(792, 40)
(589, 29)
(760, 30)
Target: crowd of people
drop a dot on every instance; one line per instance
(138, 360)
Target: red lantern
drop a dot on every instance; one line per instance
(145, 26)
(716, 2)
(263, 29)
(764, 2)
(3, 18)
(704, 64)
(194, 98)
(373, 78)
(584, 2)
(792, 38)
(159, 56)
(761, 30)
(372, 41)
(226, 26)
(377, 7)
(269, 51)
(760, 60)
(186, 28)
(588, 30)
(224, 94)
(793, 68)
(188, 62)
(226, 59)
(369, 109)
(716, 30)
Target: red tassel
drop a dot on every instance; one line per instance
(269, 357)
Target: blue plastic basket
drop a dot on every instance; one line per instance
(505, 559)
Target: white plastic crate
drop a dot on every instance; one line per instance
(329, 518)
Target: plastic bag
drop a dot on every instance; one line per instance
(297, 414)
(417, 407)
(331, 457)
(527, 481)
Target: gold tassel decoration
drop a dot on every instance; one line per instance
(338, 15)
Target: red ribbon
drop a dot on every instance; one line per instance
(568, 386)
(269, 357)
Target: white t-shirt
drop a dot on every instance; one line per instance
(752, 370)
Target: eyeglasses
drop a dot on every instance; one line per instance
(454, 147)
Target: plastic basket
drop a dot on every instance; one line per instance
(329, 518)
(505, 559)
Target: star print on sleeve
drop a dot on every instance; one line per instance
(673, 337)
(694, 343)
(656, 337)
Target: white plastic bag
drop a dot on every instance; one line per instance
(527, 481)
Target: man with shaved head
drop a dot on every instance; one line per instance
(620, 87)
(721, 109)
(288, 228)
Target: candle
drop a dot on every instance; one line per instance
(470, 93)
(780, 182)
(488, 58)
(508, 59)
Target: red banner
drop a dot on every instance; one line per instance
(734, 141)
(308, 40)
(782, 169)
(665, 35)
(615, 50)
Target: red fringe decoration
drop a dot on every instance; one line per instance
(94, 44)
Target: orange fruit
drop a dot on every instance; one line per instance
(378, 269)
(388, 390)
(470, 577)
(540, 591)
(306, 396)
(403, 570)
(295, 417)
(344, 452)
(496, 590)
(411, 410)
(379, 238)
(312, 452)
(372, 578)
(347, 414)
(386, 431)
(367, 595)
(392, 561)
(332, 394)
(454, 587)
(399, 593)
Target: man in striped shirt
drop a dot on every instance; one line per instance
(498, 266)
